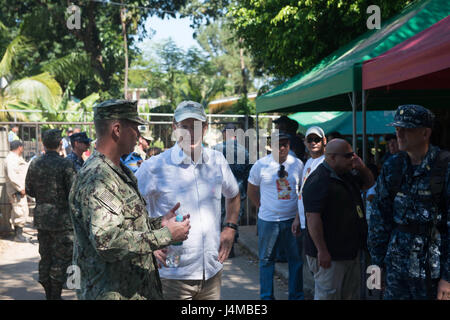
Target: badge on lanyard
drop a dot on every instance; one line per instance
(359, 210)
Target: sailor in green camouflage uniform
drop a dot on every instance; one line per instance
(115, 238)
(409, 226)
(49, 179)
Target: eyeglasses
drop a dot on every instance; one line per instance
(315, 139)
(346, 155)
(281, 172)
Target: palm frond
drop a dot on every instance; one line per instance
(19, 45)
(70, 67)
(41, 90)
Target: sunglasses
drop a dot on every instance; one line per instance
(315, 139)
(347, 155)
(281, 172)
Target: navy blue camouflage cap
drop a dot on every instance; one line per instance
(413, 116)
(51, 137)
(117, 109)
(81, 137)
(280, 135)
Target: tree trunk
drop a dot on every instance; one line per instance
(125, 46)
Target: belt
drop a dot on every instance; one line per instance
(419, 229)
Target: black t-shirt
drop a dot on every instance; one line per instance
(338, 200)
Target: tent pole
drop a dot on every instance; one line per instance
(354, 119)
(257, 137)
(364, 136)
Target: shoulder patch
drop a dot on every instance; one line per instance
(110, 200)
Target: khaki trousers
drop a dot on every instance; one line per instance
(341, 281)
(192, 289)
(19, 212)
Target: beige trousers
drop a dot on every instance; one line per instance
(192, 289)
(19, 212)
(342, 281)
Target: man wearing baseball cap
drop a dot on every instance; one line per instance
(196, 177)
(273, 189)
(409, 229)
(115, 238)
(80, 143)
(315, 142)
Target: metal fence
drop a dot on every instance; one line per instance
(160, 124)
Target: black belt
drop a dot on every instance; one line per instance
(416, 228)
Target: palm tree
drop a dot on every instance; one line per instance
(28, 92)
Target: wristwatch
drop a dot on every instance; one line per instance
(231, 225)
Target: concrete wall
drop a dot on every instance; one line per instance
(5, 207)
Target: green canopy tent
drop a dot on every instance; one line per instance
(342, 121)
(327, 86)
(334, 83)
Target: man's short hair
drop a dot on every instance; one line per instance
(101, 127)
(51, 138)
(16, 144)
(389, 137)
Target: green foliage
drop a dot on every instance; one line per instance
(290, 36)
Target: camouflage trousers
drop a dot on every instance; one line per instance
(401, 287)
(55, 248)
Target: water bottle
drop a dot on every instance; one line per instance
(174, 251)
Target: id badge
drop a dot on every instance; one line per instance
(360, 212)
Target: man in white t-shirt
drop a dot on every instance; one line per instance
(273, 189)
(315, 141)
(196, 177)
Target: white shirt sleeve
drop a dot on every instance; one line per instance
(255, 174)
(230, 187)
(144, 179)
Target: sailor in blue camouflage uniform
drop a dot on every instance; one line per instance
(80, 143)
(239, 162)
(409, 227)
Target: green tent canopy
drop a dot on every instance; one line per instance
(328, 85)
(342, 121)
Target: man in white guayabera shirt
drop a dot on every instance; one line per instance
(273, 189)
(315, 141)
(196, 177)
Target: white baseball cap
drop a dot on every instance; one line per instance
(189, 109)
(316, 130)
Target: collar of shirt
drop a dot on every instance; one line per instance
(427, 162)
(183, 158)
(121, 170)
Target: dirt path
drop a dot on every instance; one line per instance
(19, 270)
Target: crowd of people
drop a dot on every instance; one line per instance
(116, 214)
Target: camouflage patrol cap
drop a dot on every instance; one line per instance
(413, 116)
(51, 137)
(117, 109)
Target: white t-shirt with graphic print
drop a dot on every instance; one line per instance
(278, 195)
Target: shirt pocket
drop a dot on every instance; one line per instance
(400, 206)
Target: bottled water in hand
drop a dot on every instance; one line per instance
(174, 251)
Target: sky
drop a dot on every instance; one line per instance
(177, 29)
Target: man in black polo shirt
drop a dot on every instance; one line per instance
(336, 222)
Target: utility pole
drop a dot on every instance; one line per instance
(123, 19)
